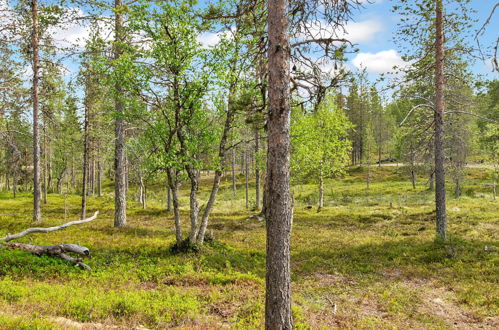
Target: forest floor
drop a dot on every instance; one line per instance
(368, 260)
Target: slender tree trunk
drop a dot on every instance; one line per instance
(246, 177)
(14, 182)
(142, 193)
(279, 204)
(234, 187)
(169, 200)
(413, 178)
(218, 172)
(119, 151)
(92, 175)
(193, 204)
(439, 124)
(99, 178)
(45, 165)
(37, 216)
(86, 140)
(431, 183)
(257, 170)
(457, 190)
(321, 190)
(73, 173)
(173, 187)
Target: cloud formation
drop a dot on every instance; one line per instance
(380, 62)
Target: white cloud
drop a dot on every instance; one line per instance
(355, 32)
(74, 32)
(365, 31)
(209, 39)
(380, 62)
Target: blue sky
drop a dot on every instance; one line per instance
(372, 30)
(379, 52)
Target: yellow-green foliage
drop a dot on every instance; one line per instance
(371, 253)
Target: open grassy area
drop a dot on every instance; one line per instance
(367, 260)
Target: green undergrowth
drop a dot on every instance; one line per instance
(369, 259)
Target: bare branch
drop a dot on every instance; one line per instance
(47, 230)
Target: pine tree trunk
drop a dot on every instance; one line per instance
(99, 178)
(439, 124)
(119, 151)
(246, 177)
(45, 167)
(37, 216)
(86, 141)
(257, 170)
(279, 205)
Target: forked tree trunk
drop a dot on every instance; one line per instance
(220, 168)
(37, 216)
(279, 205)
(119, 151)
(439, 124)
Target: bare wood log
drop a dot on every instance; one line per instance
(47, 230)
(55, 251)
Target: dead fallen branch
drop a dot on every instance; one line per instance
(59, 250)
(47, 230)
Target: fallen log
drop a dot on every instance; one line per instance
(59, 250)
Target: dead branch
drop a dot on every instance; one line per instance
(47, 230)
(59, 250)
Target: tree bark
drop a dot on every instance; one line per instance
(45, 163)
(37, 216)
(173, 187)
(142, 194)
(234, 187)
(439, 124)
(119, 151)
(257, 170)
(321, 190)
(279, 205)
(85, 162)
(169, 199)
(246, 176)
